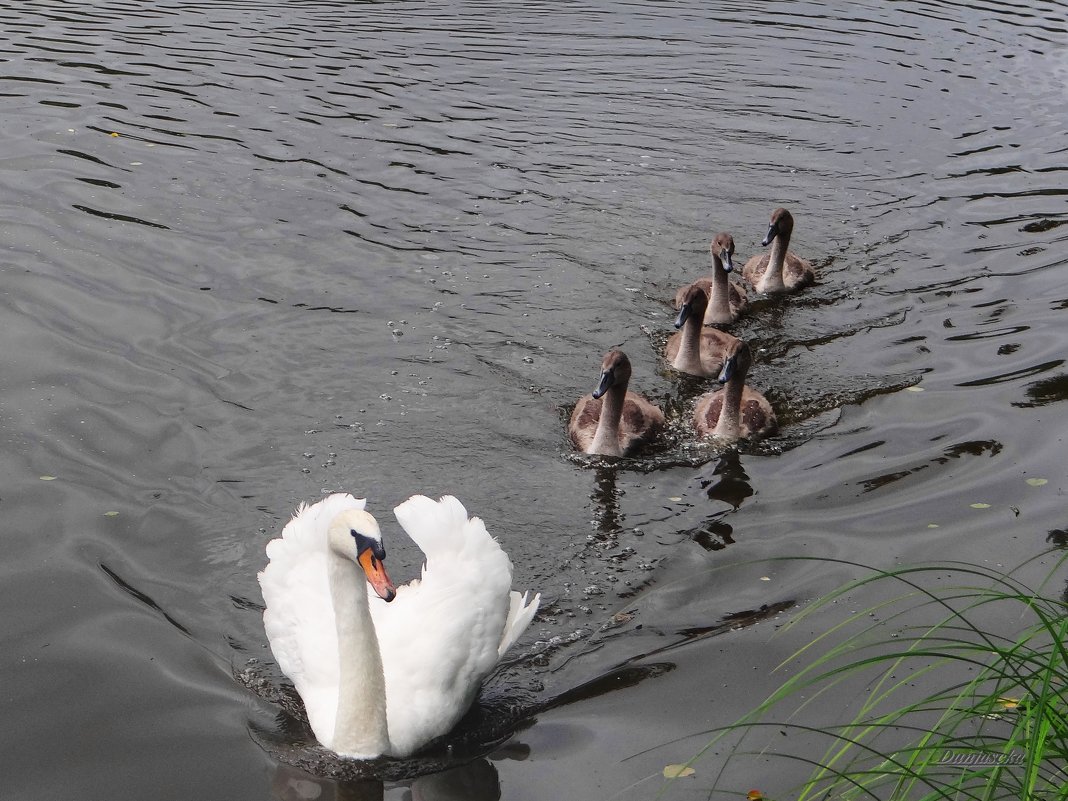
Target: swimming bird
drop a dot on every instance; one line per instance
(779, 270)
(696, 350)
(726, 300)
(612, 421)
(736, 411)
(385, 670)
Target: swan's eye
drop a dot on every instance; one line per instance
(365, 543)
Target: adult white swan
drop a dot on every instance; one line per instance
(387, 678)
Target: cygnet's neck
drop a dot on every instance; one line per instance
(729, 424)
(688, 359)
(719, 300)
(773, 280)
(360, 729)
(606, 437)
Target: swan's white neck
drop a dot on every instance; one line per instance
(688, 359)
(360, 729)
(719, 301)
(772, 280)
(606, 437)
(729, 423)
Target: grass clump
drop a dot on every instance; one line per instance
(955, 682)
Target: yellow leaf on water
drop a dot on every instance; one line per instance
(112, 134)
(1037, 482)
(110, 514)
(1008, 703)
(932, 525)
(980, 505)
(765, 578)
(754, 795)
(48, 478)
(678, 771)
(914, 389)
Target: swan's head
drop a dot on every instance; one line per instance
(355, 535)
(615, 371)
(782, 223)
(736, 361)
(723, 247)
(694, 303)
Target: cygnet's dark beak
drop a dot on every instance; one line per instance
(728, 370)
(773, 231)
(607, 379)
(684, 312)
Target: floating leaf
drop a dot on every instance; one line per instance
(112, 134)
(980, 505)
(1008, 703)
(914, 389)
(765, 578)
(678, 771)
(932, 525)
(675, 498)
(1037, 482)
(111, 514)
(48, 478)
(754, 795)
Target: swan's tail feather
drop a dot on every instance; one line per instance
(520, 613)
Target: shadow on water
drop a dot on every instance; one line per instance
(727, 483)
(1046, 391)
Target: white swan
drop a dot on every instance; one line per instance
(387, 678)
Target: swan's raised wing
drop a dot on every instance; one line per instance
(299, 614)
(443, 633)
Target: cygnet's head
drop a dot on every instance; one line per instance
(737, 359)
(723, 247)
(782, 223)
(615, 371)
(694, 303)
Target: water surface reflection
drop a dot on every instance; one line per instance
(258, 251)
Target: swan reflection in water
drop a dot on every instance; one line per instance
(474, 781)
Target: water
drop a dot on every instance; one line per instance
(254, 252)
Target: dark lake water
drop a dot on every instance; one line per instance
(253, 252)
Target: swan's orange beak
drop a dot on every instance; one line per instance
(377, 575)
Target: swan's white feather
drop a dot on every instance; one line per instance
(439, 638)
(299, 615)
(520, 613)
